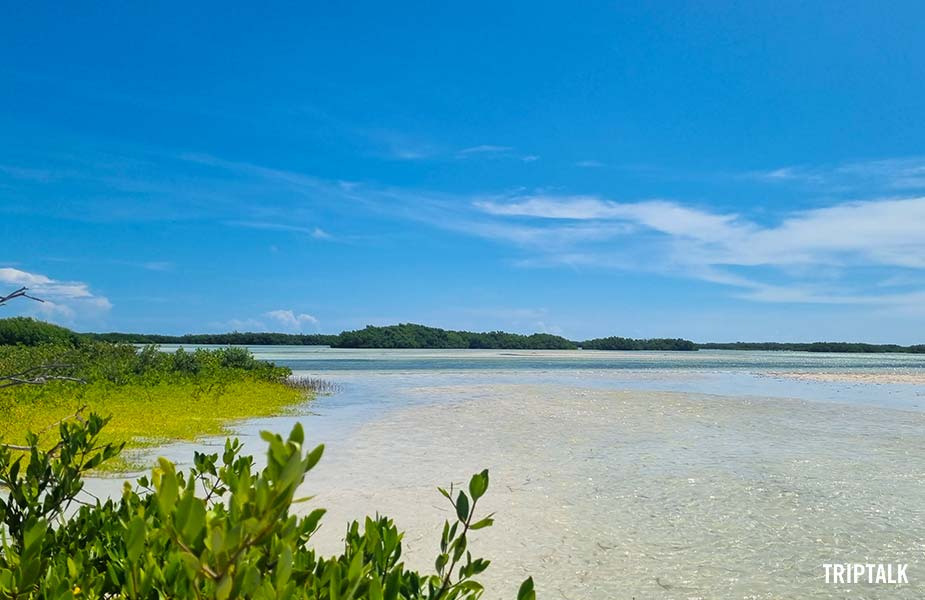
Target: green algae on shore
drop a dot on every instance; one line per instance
(152, 398)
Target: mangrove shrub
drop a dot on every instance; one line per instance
(222, 530)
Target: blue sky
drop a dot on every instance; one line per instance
(714, 172)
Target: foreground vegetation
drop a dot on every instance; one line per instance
(153, 397)
(223, 530)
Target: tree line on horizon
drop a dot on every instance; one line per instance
(27, 331)
(413, 336)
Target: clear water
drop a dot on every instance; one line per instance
(372, 377)
(327, 359)
(712, 474)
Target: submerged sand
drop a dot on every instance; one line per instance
(603, 494)
(911, 378)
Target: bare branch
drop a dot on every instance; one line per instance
(20, 293)
(17, 447)
(40, 380)
(38, 375)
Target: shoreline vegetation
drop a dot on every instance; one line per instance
(22, 330)
(223, 529)
(151, 397)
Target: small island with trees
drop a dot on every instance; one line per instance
(27, 331)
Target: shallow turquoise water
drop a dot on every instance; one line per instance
(327, 359)
(667, 475)
(373, 377)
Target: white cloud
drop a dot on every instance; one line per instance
(290, 320)
(494, 151)
(64, 301)
(881, 232)
(786, 174)
(589, 164)
(662, 216)
(760, 257)
(886, 234)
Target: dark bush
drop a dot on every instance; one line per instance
(29, 332)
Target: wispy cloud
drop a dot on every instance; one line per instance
(897, 174)
(702, 244)
(786, 174)
(763, 258)
(879, 232)
(666, 217)
(149, 265)
(496, 151)
(63, 300)
(315, 232)
(589, 164)
(486, 149)
(665, 235)
(300, 180)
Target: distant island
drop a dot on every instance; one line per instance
(23, 330)
(406, 335)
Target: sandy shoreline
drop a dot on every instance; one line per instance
(605, 494)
